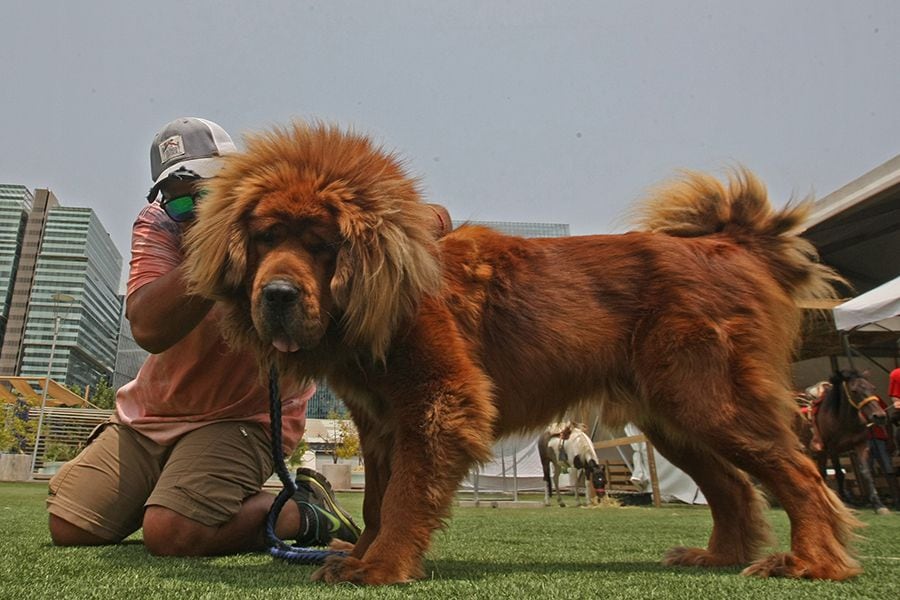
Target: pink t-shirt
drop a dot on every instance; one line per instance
(199, 380)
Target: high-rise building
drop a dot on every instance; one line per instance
(10, 355)
(15, 205)
(76, 276)
(522, 229)
(129, 355)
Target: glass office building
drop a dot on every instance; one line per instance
(14, 325)
(15, 204)
(75, 284)
(526, 229)
(129, 355)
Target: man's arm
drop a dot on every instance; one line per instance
(162, 312)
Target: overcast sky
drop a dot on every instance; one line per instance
(558, 111)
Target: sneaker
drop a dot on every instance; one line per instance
(324, 518)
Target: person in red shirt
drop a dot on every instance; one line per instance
(881, 451)
(894, 388)
(894, 408)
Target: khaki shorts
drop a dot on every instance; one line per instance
(205, 476)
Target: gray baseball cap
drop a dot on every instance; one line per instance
(187, 147)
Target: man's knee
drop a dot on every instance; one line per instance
(64, 533)
(167, 533)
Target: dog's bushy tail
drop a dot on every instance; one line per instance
(698, 204)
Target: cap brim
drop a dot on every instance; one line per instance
(202, 167)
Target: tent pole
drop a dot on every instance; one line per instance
(654, 479)
(515, 473)
(845, 342)
(849, 350)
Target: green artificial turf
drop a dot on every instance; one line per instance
(484, 553)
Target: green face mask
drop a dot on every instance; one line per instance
(181, 208)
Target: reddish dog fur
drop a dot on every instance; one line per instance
(319, 246)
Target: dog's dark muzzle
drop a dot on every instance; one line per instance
(280, 296)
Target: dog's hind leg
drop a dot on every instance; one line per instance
(723, 386)
(766, 448)
(821, 526)
(761, 443)
(740, 531)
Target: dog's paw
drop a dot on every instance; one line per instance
(339, 569)
(682, 556)
(337, 545)
(785, 564)
(782, 564)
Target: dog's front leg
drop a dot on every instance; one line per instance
(437, 421)
(378, 472)
(375, 444)
(435, 442)
(417, 497)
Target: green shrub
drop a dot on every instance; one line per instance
(296, 456)
(60, 452)
(18, 428)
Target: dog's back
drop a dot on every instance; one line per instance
(577, 318)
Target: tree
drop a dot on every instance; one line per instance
(296, 457)
(104, 395)
(349, 446)
(18, 428)
(342, 441)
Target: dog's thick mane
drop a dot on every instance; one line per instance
(387, 258)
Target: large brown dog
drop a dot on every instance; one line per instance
(318, 244)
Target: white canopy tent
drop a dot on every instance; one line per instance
(674, 484)
(516, 467)
(876, 310)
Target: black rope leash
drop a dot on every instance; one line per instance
(278, 548)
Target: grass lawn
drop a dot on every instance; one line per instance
(484, 553)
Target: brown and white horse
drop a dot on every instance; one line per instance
(567, 446)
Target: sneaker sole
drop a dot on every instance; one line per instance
(318, 482)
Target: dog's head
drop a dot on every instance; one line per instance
(313, 230)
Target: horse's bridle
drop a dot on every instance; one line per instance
(859, 406)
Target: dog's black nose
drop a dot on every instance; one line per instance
(280, 293)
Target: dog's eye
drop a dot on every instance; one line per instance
(266, 237)
(317, 245)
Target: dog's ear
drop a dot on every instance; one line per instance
(386, 263)
(216, 245)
